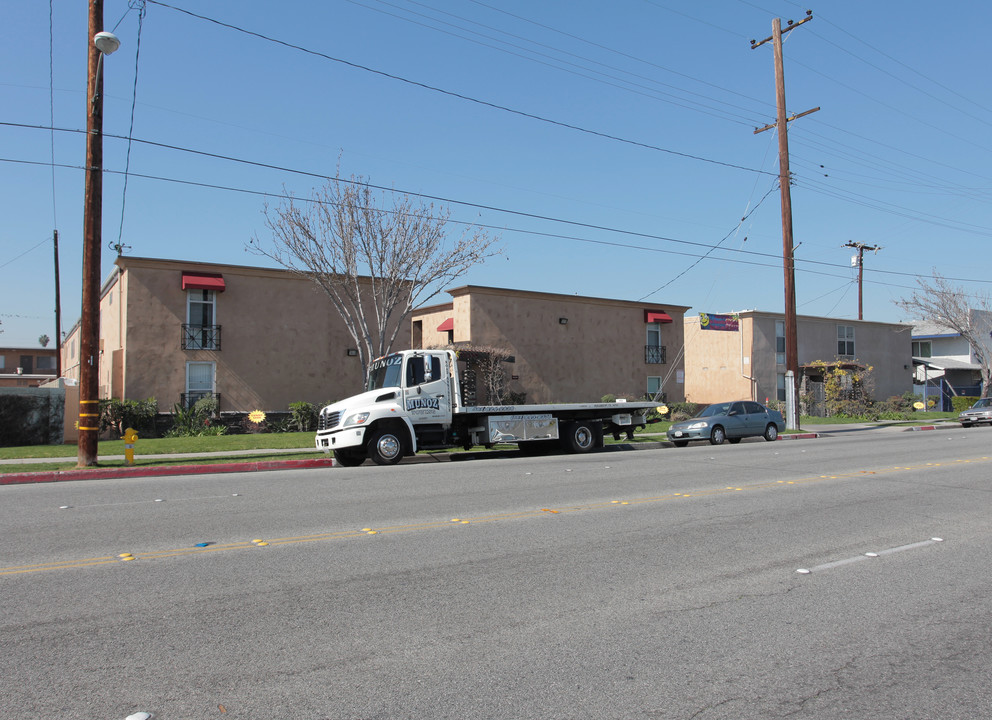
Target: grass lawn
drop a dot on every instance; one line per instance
(150, 461)
(159, 446)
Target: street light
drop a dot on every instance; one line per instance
(104, 43)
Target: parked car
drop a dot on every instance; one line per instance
(729, 421)
(980, 412)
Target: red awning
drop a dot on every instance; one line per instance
(447, 326)
(203, 281)
(656, 316)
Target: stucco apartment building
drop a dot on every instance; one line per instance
(26, 367)
(255, 338)
(565, 348)
(742, 356)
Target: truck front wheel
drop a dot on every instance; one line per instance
(386, 447)
(580, 437)
(349, 458)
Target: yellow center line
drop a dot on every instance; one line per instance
(548, 513)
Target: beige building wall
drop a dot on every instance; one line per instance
(729, 365)
(281, 339)
(567, 348)
(718, 363)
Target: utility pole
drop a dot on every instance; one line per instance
(100, 44)
(861, 247)
(788, 248)
(58, 312)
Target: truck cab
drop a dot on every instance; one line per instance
(408, 395)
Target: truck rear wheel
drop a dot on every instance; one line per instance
(385, 447)
(580, 437)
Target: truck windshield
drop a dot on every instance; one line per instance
(385, 372)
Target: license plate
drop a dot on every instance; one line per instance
(677, 433)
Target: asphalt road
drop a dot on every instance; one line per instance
(652, 584)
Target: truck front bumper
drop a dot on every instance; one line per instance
(340, 439)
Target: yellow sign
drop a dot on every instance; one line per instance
(662, 409)
(918, 405)
(256, 416)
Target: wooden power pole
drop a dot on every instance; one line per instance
(788, 258)
(861, 247)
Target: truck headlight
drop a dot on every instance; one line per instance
(356, 419)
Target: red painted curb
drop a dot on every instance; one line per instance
(22, 478)
(799, 436)
(922, 427)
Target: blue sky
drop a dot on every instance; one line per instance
(897, 157)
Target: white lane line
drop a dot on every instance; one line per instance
(868, 555)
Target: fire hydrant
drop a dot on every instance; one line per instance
(130, 437)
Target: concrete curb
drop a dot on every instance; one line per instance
(22, 478)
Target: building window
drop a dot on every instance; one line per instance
(845, 340)
(46, 362)
(780, 389)
(199, 382)
(201, 331)
(779, 342)
(654, 387)
(922, 348)
(654, 351)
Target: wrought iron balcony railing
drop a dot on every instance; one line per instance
(654, 354)
(201, 337)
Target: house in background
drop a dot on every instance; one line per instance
(945, 364)
(27, 367)
(742, 356)
(254, 338)
(566, 348)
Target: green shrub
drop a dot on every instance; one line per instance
(195, 421)
(684, 410)
(119, 415)
(960, 403)
(304, 416)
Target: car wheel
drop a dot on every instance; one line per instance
(718, 435)
(386, 448)
(680, 443)
(771, 432)
(733, 441)
(965, 424)
(349, 458)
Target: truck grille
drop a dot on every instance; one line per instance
(327, 421)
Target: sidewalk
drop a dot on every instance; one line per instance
(23, 474)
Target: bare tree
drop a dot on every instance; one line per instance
(375, 258)
(950, 307)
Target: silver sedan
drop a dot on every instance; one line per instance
(731, 421)
(980, 412)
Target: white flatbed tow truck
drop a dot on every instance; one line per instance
(413, 401)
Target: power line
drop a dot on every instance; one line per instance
(533, 216)
(139, 5)
(459, 96)
(701, 107)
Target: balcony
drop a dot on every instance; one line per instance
(200, 337)
(654, 354)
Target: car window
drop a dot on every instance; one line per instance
(717, 409)
(738, 408)
(753, 408)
